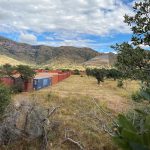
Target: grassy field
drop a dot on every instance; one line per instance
(78, 112)
(107, 93)
(7, 60)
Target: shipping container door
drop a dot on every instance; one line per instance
(34, 83)
(46, 82)
(40, 83)
(37, 84)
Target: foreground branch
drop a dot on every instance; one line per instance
(74, 142)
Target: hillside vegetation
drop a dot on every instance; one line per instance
(54, 56)
(8, 60)
(40, 54)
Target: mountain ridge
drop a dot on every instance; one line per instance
(41, 54)
(45, 55)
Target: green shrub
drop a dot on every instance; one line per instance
(120, 83)
(138, 116)
(76, 72)
(88, 72)
(4, 98)
(136, 96)
(64, 70)
(142, 94)
(47, 68)
(99, 74)
(133, 133)
(145, 92)
(17, 88)
(114, 74)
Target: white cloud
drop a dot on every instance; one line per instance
(68, 19)
(85, 16)
(78, 42)
(28, 38)
(145, 46)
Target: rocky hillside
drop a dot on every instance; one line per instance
(44, 54)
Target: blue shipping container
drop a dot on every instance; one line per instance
(39, 83)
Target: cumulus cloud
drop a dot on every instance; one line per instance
(69, 17)
(85, 16)
(145, 46)
(28, 38)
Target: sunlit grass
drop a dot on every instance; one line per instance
(75, 97)
(8, 60)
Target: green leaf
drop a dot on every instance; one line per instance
(147, 122)
(136, 146)
(131, 136)
(146, 138)
(121, 143)
(141, 112)
(125, 123)
(145, 95)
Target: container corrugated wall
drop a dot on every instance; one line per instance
(28, 86)
(7, 81)
(54, 79)
(42, 79)
(60, 77)
(39, 83)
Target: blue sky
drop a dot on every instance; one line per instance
(97, 24)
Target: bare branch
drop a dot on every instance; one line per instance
(50, 112)
(74, 142)
(69, 139)
(105, 113)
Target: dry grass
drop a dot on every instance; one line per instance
(107, 93)
(75, 95)
(7, 60)
(66, 66)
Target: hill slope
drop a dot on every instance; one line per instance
(8, 60)
(104, 59)
(40, 54)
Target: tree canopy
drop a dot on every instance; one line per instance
(7, 69)
(132, 60)
(140, 23)
(26, 72)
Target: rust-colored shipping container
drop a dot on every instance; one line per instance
(60, 77)
(43, 74)
(7, 81)
(54, 78)
(28, 86)
(39, 70)
(67, 74)
(63, 75)
(55, 71)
